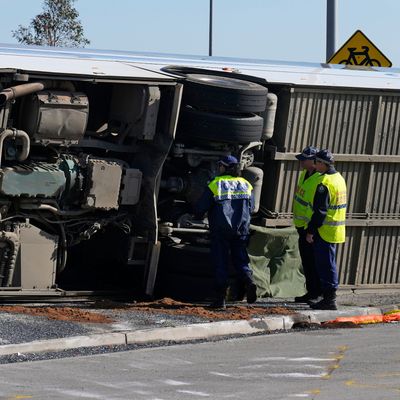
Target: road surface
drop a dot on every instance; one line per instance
(345, 364)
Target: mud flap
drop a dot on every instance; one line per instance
(151, 268)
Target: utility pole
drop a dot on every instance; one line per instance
(331, 28)
(210, 30)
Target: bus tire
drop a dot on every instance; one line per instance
(225, 128)
(225, 94)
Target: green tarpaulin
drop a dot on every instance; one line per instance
(275, 261)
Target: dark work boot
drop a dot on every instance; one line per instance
(306, 298)
(251, 292)
(327, 303)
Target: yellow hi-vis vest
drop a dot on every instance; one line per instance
(333, 229)
(303, 198)
(228, 187)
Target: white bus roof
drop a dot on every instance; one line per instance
(123, 64)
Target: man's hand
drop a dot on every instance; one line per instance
(310, 238)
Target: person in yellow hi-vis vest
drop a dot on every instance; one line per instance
(302, 212)
(327, 226)
(228, 200)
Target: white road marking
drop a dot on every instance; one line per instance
(79, 394)
(175, 383)
(310, 359)
(255, 366)
(193, 393)
(142, 392)
(220, 374)
(117, 385)
(296, 375)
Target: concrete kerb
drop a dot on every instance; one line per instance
(183, 333)
(209, 330)
(176, 334)
(322, 316)
(40, 346)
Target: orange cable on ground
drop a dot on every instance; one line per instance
(391, 312)
(390, 316)
(359, 319)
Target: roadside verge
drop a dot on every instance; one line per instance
(186, 332)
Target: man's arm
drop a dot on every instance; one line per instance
(252, 202)
(203, 204)
(320, 209)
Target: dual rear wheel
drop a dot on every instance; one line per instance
(221, 109)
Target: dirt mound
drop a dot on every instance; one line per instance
(59, 313)
(163, 306)
(173, 307)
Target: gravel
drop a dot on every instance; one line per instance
(20, 328)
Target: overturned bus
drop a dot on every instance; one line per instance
(102, 155)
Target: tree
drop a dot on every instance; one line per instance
(58, 25)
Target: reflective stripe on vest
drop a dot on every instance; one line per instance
(230, 188)
(302, 201)
(333, 228)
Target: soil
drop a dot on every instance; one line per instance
(59, 313)
(173, 307)
(163, 306)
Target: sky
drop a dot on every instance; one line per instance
(289, 30)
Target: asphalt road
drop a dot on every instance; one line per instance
(345, 364)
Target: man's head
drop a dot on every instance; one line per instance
(228, 164)
(307, 157)
(324, 160)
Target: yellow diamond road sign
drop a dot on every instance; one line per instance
(359, 50)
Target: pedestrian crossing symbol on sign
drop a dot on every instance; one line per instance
(359, 50)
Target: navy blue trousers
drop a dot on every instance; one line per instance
(306, 249)
(224, 245)
(325, 261)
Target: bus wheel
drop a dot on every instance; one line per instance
(226, 128)
(225, 94)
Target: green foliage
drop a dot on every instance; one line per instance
(58, 25)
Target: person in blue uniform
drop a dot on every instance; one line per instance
(302, 211)
(327, 226)
(228, 202)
